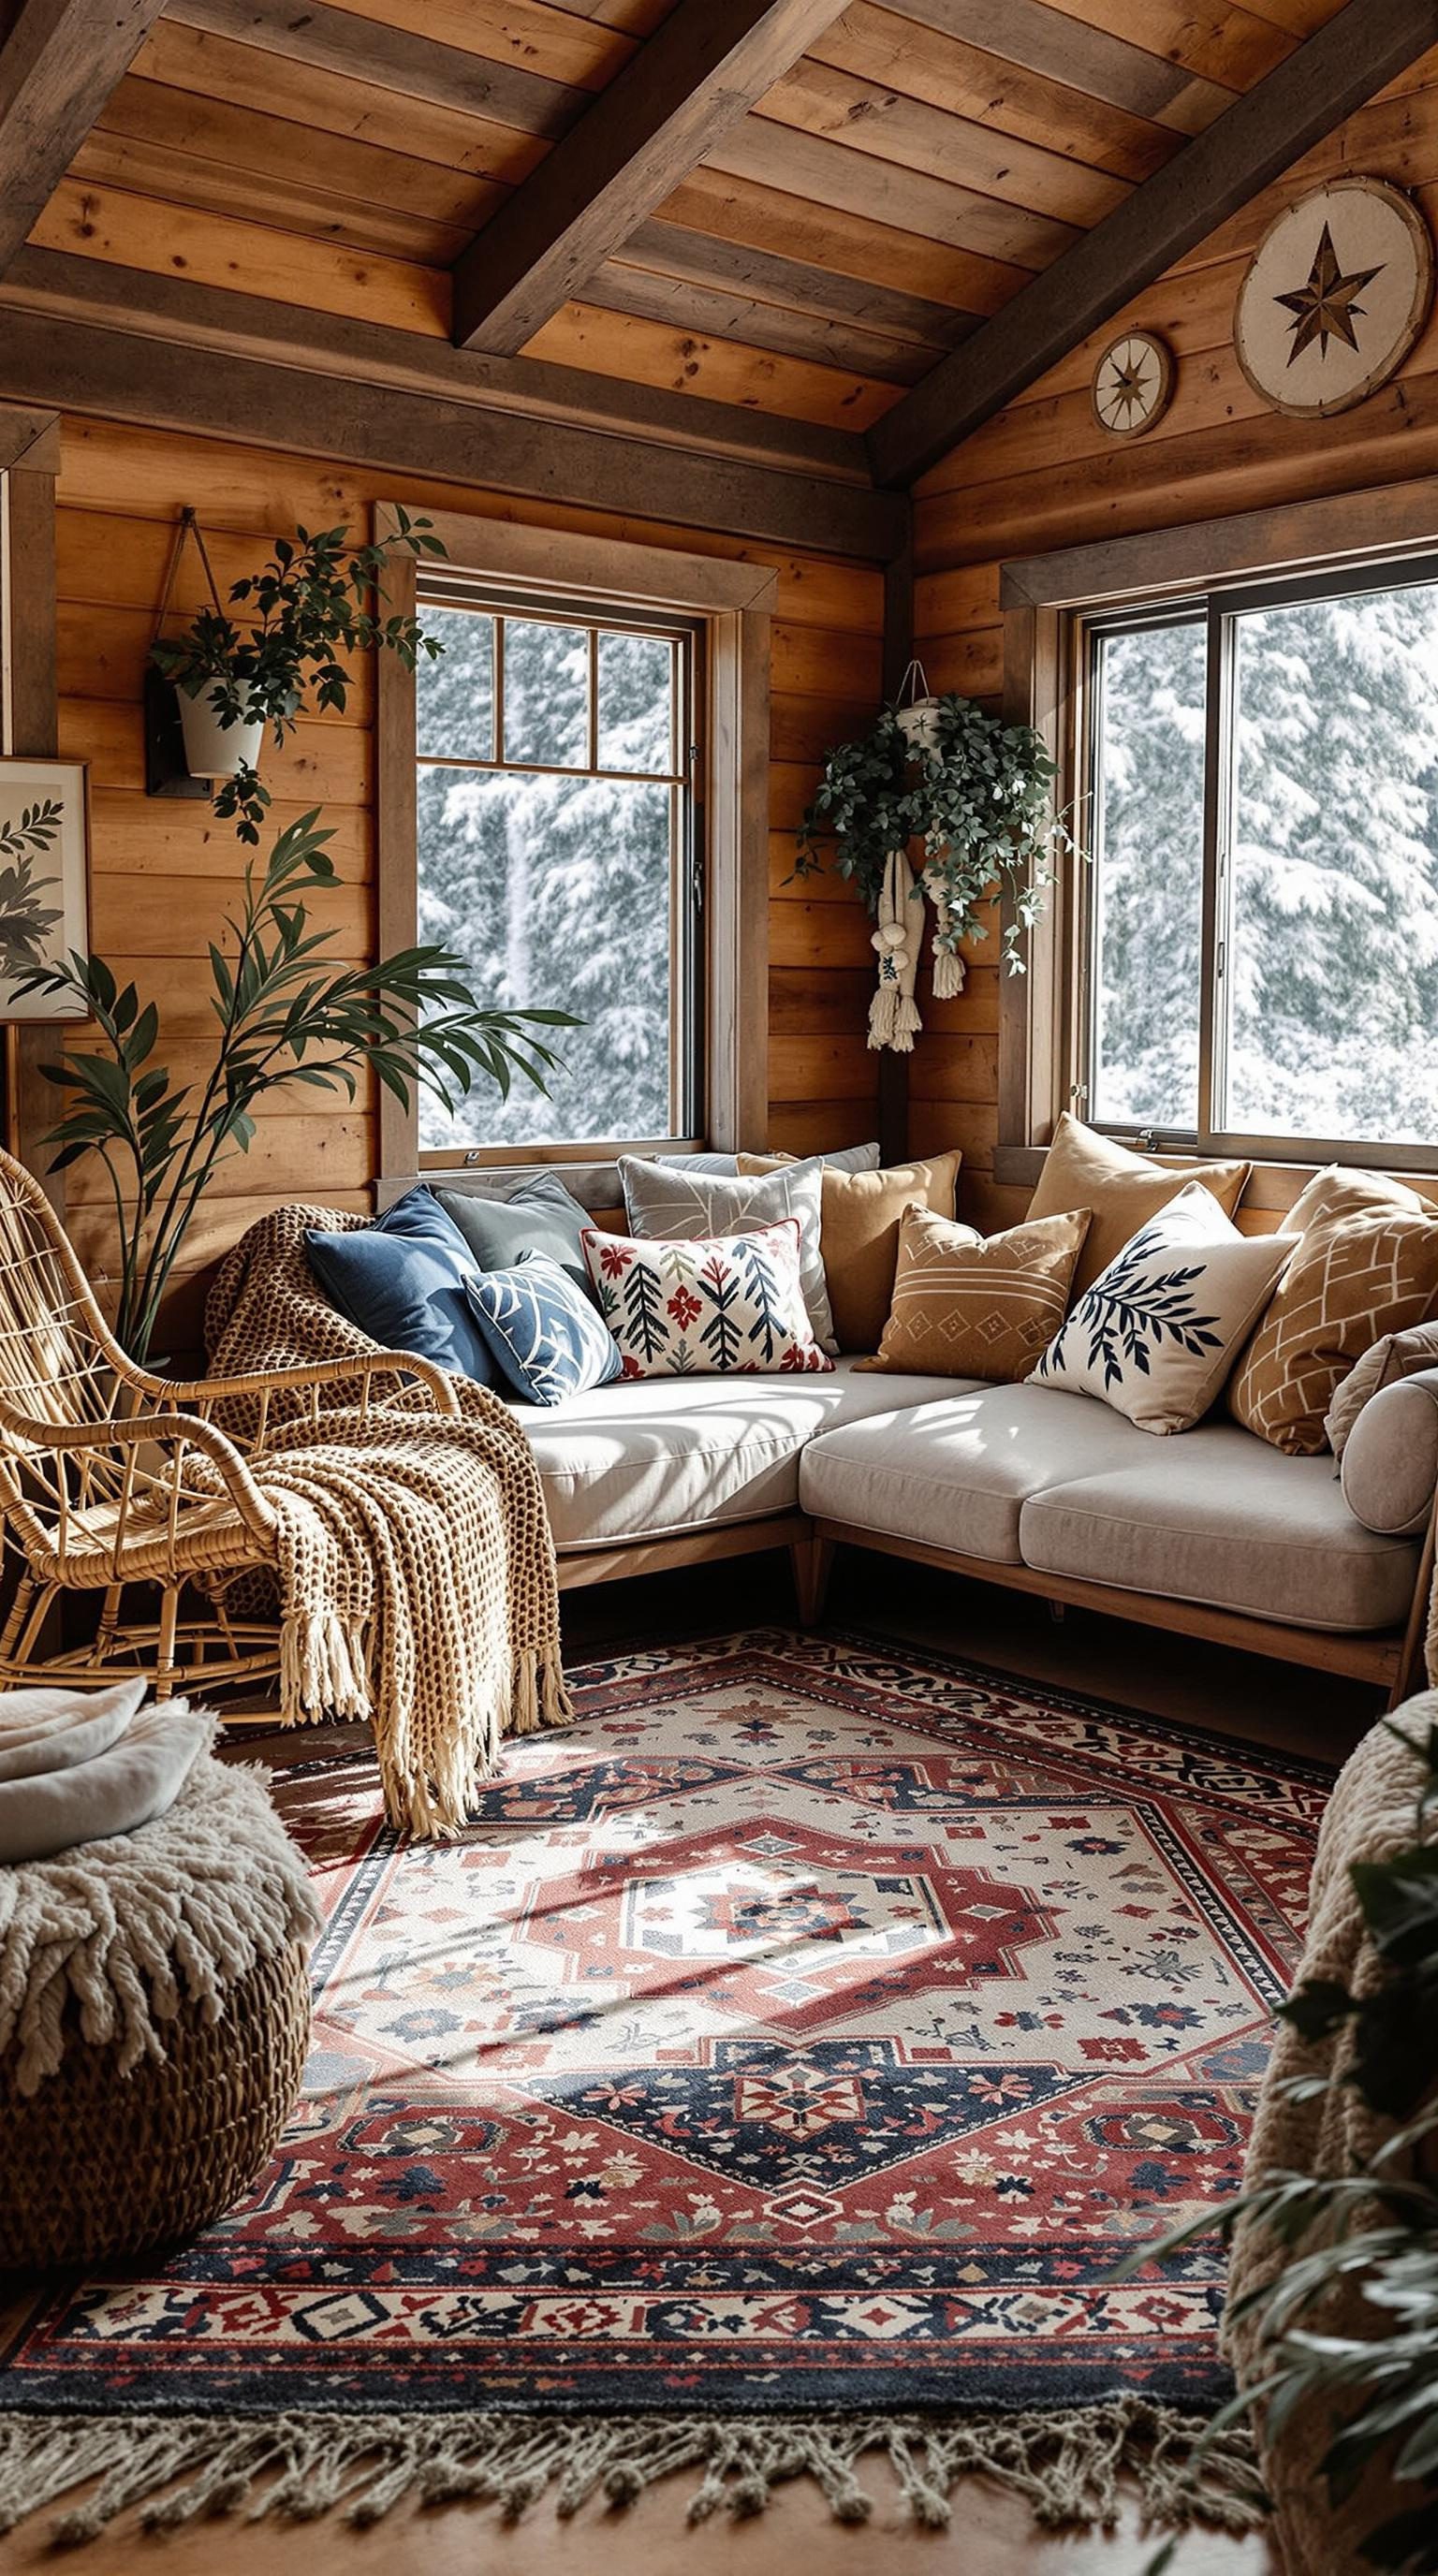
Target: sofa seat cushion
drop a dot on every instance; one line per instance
(648, 1457)
(958, 1474)
(1221, 1517)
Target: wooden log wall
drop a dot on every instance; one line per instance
(164, 871)
(1042, 475)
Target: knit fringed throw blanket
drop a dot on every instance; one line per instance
(416, 1567)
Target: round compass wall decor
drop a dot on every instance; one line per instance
(1336, 296)
(1132, 383)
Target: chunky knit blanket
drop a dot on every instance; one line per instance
(416, 1567)
(1372, 1814)
(135, 1925)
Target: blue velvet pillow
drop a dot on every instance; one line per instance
(405, 1282)
(546, 1336)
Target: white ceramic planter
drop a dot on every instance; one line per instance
(919, 724)
(212, 749)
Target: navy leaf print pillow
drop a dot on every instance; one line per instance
(1158, 1332)
(542, 1330)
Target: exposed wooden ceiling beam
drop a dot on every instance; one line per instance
(365, 49)
(698, 74)
(1251, 144)
(164, 352)
(59, 61)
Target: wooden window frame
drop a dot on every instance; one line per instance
(1047, 603)
(733, 603)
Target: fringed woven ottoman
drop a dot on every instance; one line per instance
(154, 2016)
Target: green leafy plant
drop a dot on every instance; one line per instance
(25, 921)
(979, 797)
(1371, 2234)
(285, 1016)
(318, 597)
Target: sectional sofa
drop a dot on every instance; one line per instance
(1213, 1532)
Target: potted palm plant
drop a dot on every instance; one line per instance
(317, 598)
(285, 1017)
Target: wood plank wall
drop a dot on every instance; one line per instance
(164, 871)
(1042, 475)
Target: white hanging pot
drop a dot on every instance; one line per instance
(919, 724)
(214, 749)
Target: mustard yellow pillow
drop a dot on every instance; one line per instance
(1123, 1190)
(859, 1234)
(970, 1305)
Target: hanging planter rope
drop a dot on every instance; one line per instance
(978, 795)
(214, 748)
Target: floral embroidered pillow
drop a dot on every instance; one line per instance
(1158, 1331)
(717, 1305)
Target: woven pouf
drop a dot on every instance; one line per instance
(95, 2163)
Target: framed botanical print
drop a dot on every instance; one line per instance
(44, 879)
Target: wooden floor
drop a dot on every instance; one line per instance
(991, 2533)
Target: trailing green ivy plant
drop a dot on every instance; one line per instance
(1373, 2232)
(285, 1016)
(318, 597)
(979, 797)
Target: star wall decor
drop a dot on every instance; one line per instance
(1335, 296)
(1132, 383)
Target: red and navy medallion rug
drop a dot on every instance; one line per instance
(802, 2036)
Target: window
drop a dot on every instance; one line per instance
(559, 852)
(1256, 959)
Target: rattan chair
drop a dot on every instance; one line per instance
(112, 1478)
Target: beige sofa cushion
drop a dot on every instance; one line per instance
(974, 1305)
(1366, 1266)
(1220, 1517)
(956, 1475)
(652, 1456)
(1390, 1459)
(1083, 1169)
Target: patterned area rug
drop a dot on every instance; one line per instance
(777, 2068)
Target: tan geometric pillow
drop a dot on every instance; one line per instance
(1367, 1266)
(1083, 1169)
(966, 1305)
(859, 1235)
(1398, 1355)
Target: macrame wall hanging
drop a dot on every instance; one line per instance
(899, 930)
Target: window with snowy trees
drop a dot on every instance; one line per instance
(558, 852)
(1258, 950)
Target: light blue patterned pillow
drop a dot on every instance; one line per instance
(542, 1330)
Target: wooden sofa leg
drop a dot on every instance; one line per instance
(811, 1559)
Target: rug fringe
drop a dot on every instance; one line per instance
(173, 2469)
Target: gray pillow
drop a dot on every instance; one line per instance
(684, 1204)
(539, 1216)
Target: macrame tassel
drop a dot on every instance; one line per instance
(949, 968)
(893, 1015)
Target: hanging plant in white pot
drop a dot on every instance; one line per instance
(318, 597)
(978, 795)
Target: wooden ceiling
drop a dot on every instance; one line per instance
(784, 210)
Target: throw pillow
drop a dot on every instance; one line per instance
(1122, 1190)
(662, 1200)
(542, 1329)
(1156, 1333)
(1366, 1265)
(859, 1235)
(969, 1305)
(405, 1282)
(728, 1305)
(538, 1216)
(1397, 1356)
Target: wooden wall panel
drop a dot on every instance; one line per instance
(1042, 476)
(166, 871)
